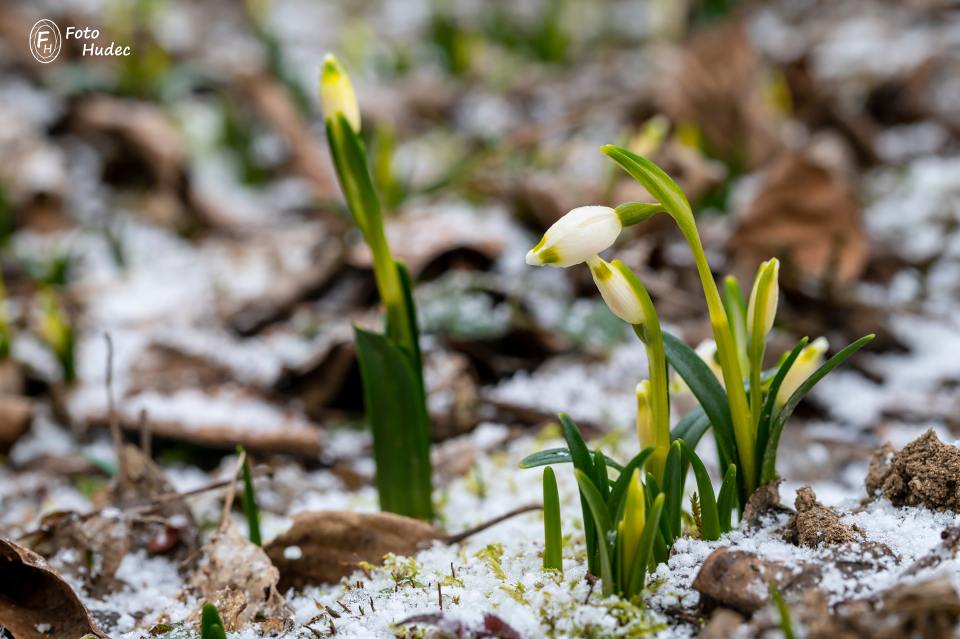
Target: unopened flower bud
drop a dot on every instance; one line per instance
(336, 93)
(809, 360)
(762, 308)
(616, 290)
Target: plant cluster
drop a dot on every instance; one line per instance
(631, 521)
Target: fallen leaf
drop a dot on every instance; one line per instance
(715, 83)
(807, 218)
(34, 596)
(321, 547)
(16, 414)
(238, 578)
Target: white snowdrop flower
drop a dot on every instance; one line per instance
(616, 290)
(583, 232)
(336, 93)
(809, 360)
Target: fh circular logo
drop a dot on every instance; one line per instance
(45, 41)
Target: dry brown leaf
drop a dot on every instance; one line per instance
(272, 102)
(807, 218)
(322, 547)
(237, 577)
(715, 84)
(15, 415)
(142, 126)
(33, 596)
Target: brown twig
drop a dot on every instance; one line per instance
(469, 532)
(231, 491)
(146, 434)
(159, 500)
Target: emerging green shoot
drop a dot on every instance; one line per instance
(211, 626)
(552, 534)
(249, 501)
(630, 525)
(786, 624)
(391, 366)
(57, 332)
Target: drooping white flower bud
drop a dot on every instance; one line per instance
(809, 360)
(582, 233)
(616, 290)
(336, 93)
(764, 296)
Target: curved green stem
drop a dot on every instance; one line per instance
(662, 187)
(652, 337)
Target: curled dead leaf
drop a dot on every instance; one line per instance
(237, 577)
(322, 547)
(33, 597)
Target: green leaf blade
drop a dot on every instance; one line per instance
(392, 394)
(769, 469)
(552, 534)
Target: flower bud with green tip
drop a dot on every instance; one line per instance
(577, 236)
(336, 93)
(586, 231)
(809, 360)
(762, 308)
(761, 311)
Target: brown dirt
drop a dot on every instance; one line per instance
(925, 473)
(814, 524)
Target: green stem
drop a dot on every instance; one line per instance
(652, 337)
(353, 173)
(743, 425)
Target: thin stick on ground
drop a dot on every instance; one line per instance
(146, 434)
(231, 491)
(115, 435)
(469, 532)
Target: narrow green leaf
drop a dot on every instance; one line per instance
(552, 537)
(645, 550)
(410, 322)
(249, 501)
(350, 162)
(769, 469)
(727, 498)
(691, 427)
(601, 520)
(654, 179)
(708, 501)
(708, 391)
(766, 415)
(601, 477)
(673, 489)
(392, 395)
(582, 461)
(211, 626)
(560, 455)
(619, 490)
